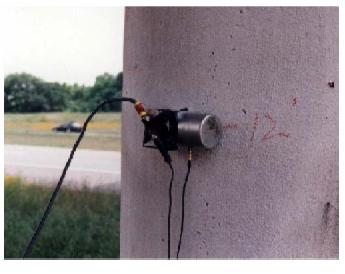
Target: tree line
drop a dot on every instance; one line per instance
(24, 92)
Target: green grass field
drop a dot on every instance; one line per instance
(82, 224)
(103, 132)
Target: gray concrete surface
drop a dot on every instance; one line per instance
(43, 165)
(270, 190)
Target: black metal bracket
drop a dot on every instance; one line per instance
(161, 131)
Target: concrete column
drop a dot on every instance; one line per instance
(270, 189)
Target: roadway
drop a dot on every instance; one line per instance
(92, 168)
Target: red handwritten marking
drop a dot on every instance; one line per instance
(273, 123)
(256, 122)
(283, 134)
(230, 126)
(294, 101)
(269, 134)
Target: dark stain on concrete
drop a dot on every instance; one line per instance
(325, 213)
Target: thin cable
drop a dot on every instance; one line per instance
(170, 205)
(62, 177)
(189, 165)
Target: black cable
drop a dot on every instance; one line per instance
(189, 165)
(170, 205)
(62, 177)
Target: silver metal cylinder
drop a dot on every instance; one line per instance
(198, 129)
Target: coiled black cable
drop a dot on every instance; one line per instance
(64, 171)
(189, 165)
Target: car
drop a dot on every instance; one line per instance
(69, 127)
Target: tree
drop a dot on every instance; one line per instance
(106, 86)
(27, 93)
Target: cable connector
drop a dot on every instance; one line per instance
(139, 107)
(189, 154)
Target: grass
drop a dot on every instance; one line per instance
(82, 224)
(103, 132)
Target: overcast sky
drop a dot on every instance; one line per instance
(67, 44)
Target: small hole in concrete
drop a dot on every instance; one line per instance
(244, 111)
(212, 52)
(241, 11)
(331, 84)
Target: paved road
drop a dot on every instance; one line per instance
(93, 168)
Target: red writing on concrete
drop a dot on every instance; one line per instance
(271, 133)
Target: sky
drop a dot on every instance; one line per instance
(64, 44)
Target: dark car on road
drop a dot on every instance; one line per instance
(69, 127)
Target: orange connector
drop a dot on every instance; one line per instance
(189, 154)
(139, 107)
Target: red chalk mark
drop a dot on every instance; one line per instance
(294, 101)
(256, 122)
(230, 126)
(283, 134)
(269, 135)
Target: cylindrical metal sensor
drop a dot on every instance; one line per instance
(197, 129)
